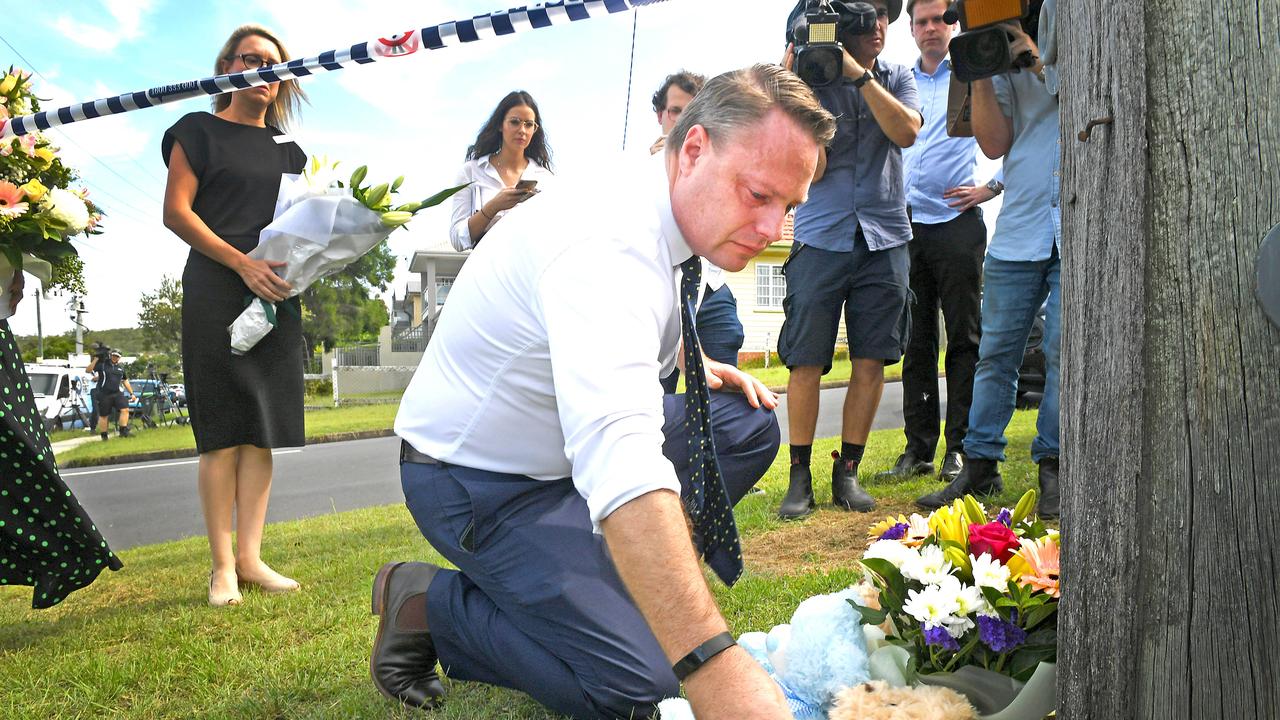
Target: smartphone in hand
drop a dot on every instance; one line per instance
(529, 186)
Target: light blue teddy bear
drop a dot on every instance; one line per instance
(822, 651)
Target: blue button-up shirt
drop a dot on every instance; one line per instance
(1030, 222)
(937, 162)
(863, 182)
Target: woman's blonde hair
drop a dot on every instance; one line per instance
(288, 100)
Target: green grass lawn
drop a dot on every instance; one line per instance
(141, 643)
(325, 421)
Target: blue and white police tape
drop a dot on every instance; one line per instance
(435, 37)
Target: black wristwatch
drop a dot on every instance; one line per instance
(864, 79)
(701, 654)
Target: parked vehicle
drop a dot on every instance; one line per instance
(1031, 374)
(61, 395)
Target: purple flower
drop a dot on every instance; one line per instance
(1001, 636)
(939, 636)
(1005, 517)
(897, 532)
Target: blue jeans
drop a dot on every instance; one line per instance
(1012, 294)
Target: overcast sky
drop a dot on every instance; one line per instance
(413, 116)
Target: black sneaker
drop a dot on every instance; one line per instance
(952, 464)
(105, 437)
(908, 466)
(979, 476)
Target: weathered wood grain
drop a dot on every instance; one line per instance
(1171, 373)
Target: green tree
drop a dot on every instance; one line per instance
(343, 307)
(161, 316)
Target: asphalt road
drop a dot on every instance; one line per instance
(144, 503)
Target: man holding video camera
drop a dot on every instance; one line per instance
(1015, 116)
(851, 236)
(109, 378)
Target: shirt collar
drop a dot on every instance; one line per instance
(944, 65)
(671, 235)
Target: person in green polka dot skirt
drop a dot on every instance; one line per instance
(47, 541)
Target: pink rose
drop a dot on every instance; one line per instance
(994, 539)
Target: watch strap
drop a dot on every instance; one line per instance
(701, 654)
(865, 78)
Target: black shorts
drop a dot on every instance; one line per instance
(870, 286)
(106, 403)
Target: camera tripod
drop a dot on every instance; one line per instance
(157, 404)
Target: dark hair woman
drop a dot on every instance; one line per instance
(508, 164)
(224, 175)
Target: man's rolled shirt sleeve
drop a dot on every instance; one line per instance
(605, 367)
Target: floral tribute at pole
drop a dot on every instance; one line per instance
(39, 210)
(955, 619)
(322, 225)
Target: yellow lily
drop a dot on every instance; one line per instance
(949, 523)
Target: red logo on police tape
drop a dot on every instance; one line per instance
(398, 45)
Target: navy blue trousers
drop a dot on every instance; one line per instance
(536, 603)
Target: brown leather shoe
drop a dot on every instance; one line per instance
(403, 661)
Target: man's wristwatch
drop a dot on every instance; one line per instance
(866, 77)
(995, 186)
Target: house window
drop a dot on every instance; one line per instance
(443, 285)
(771, 286)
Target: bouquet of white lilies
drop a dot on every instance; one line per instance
(322, 225)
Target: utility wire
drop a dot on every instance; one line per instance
(626, 116)
(73, 141)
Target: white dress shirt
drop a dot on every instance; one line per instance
(485, 184)
(543, 365)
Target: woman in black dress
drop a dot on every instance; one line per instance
(224, 176)
(46, 539)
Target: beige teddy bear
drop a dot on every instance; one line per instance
(876, 700)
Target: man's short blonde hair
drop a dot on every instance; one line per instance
(736, 100)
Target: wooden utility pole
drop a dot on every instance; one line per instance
(1171, 373)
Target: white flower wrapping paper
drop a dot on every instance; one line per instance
(316, 232)
(30, 265)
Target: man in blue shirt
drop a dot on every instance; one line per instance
(850, 254)
(1015, 115)
(948, 240)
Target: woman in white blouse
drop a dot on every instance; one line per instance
(507, 165)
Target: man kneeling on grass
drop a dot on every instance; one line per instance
(541, 457)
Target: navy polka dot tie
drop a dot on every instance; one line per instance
(705, 498)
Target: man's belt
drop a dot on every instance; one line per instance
(409, 455)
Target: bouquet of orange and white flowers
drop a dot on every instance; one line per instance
(39, 212)
(322, 224)
(959, 588)
(967, 601)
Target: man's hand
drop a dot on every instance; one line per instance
(658, 145)
(15, 290)
(650, 544)
(1020, 42)
(964, 197)
(724, 376)
(852, 69)
(789, 57)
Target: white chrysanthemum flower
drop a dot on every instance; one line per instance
(930, 566)
(988, 572)
(893, 551)
(66, 209)
(932, 606)
(958, 626)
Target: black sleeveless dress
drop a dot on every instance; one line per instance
(46, 539)
(255, 398)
